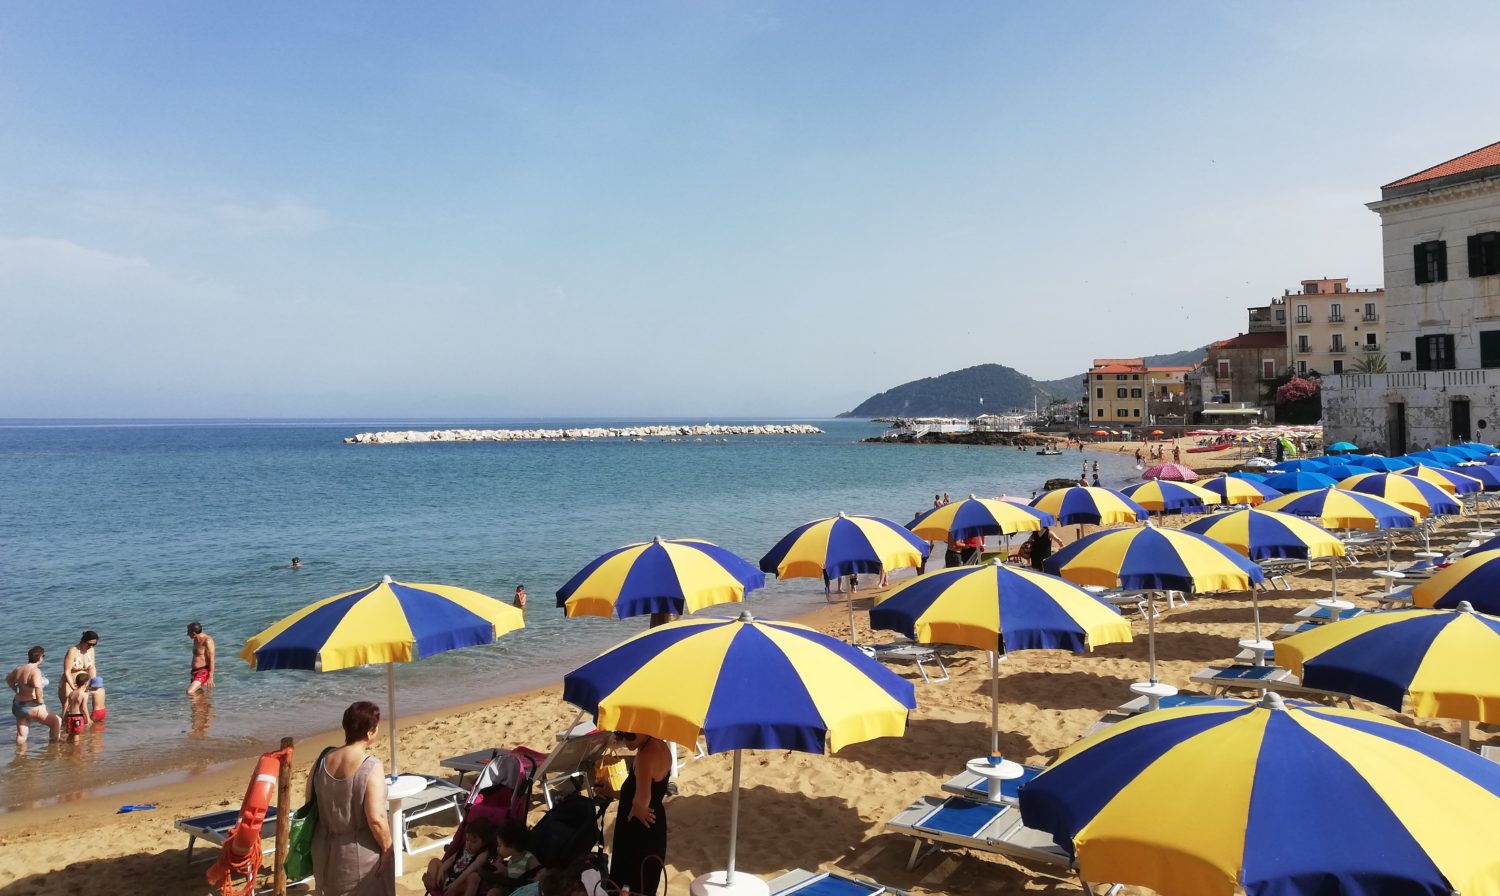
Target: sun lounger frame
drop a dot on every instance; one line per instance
(214, 827)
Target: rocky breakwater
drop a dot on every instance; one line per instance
(656, 431)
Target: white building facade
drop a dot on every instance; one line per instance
(1441, 236)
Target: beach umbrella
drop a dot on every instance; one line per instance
(742, 684)
(1466, 452)
(1473, 578)
(1263, 535)
(1446, 661)
(1408, 491)
(680, 575)
(1240, 488)
(1343, 471)
(1450, 481)
(1101, 432)
(1342, 448)
(1272, 799)
(1170, 497)
(1173, 472)
(1300, 481)
(1310, 464)
(1248, 476)
(975, 516)
(844, 545)
(999, 609)
(388, 622)
(1489, 477)
(1093, 505)
(1152, 559)
(1446, 457)
(1334, 508)
(1379, 463)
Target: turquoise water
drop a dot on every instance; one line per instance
(136, 530)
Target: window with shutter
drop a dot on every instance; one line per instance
(1430, 261)
(1435, 352)
(1489, 348)
(1424, 362)
(1484, 254)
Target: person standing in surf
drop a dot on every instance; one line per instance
(201, 669)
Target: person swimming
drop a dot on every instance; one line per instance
(296, 563)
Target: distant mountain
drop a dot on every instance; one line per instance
(987, 389)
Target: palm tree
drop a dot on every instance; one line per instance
(1370, 363)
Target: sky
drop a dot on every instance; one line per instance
(692, 209)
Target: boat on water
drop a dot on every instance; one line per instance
(1049, 452)
(1217, 446)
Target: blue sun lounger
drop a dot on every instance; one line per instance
(968, 784)
(827, 883)
(215, 827)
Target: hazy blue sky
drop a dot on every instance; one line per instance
(696, 208)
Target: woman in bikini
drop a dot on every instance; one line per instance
(27, 683)
(79, 658)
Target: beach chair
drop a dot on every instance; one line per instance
(214, 828)
(968, 784)
(1321, 615)
(437, 798)
(1490, 753)
(908, 654)
(1244, 677)
(800, 882)
(565, 768)
(934, 822)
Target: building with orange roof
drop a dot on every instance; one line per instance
(1128, 392)
(1440, 230)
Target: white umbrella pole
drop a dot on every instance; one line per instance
(994, 704)
(852, 638)
(390, 701)
(734, 816)
(1255, 604)
(1151, 633)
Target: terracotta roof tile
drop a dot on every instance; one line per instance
(1484, 157)
(1253, 340)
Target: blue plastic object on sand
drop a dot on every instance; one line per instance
(140, 808)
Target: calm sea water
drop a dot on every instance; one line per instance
(136, 529)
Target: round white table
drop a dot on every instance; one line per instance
(1335, 607)
(1259, 648)
(995, 772)
(1153, 691)
(395, 791)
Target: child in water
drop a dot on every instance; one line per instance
(76, 707)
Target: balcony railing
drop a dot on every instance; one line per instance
(1367, 317)
(1303, 348)
(1304, 319)
(1337, 348)
(1336, 318)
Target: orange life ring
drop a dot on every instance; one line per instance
(240, 853)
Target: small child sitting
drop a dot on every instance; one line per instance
(76, 707)
(458, 874)
(513, 867)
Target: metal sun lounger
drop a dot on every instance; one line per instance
(215, 827)
(436, 798)
(828, 883)
(968, 784)
(563, 767)
(934, 821)
(1259, 678)
(911, 654)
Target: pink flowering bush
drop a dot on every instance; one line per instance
(1297, 389)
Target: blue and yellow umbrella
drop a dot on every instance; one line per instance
(999, 609)
(1154, 559)
(1446, 661)
(1240, 489)
(1079, 505)
(1474, 578)
(1265, 534)
(743, 684)
(843, 545)
(1334, 508)
(1272, 799)
(1451, 481)
(975, 516)
(1164, 496)
(659, 576)
(1408, 491)
(388, 622)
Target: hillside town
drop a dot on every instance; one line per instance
(1391, 367)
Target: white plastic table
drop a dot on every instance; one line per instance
(396, 791)
(1153, 691)
(995, 774)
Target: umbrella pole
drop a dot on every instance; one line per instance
(1151, 634)
(734, 816)
(1463, 735)
(1255, 605)
(852, 638)
(995, 704)
(390, 704)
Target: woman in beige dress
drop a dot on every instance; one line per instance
(352, 844)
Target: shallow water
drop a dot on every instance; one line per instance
(136, 529)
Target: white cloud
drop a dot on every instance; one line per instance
(154, 212)
(33, 256)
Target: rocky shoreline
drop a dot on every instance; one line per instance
(655, 431)
(1028, 439)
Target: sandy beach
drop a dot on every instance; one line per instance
(798, 810)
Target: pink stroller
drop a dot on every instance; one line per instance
(501, 791)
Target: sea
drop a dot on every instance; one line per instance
(137, 528)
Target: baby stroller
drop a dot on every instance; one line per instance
(501, 791)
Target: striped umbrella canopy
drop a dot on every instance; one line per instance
(1149, 558)
(1474, 578)
(1174, 472)
(843, 545)
(974, 516)
(1408, 491)
(1307, 801)
(1298, 482)
(1379, 463)
(1078, 505)
(1334, 508)
(1245, 474)
(1447, 661)
(681, 575)
(1239, 489)
(1264, 534)
(1170, 497)
(1488, 476)
(999, 609)
(387, 622)
(743, 684)
(1450, 481)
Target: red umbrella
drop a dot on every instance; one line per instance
(1171, 473)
